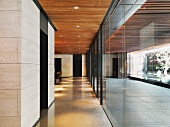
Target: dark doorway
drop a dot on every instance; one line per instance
(57, 70)
(43, 70)
(57, 64)
(115, 67)
(77, 65)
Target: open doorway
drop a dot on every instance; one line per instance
(43, 70)
(57, 64)
(77, 65)
(115, 67)
(58, 70)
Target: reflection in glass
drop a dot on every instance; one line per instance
(134, 80)
(150, 64)
(137, 46)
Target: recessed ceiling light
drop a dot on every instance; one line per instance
(76, 7)
(78, 36)
(61, 36)
(77, 26)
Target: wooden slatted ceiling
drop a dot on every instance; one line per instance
(70, 39)
(157, 11)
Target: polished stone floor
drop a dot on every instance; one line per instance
(75, 106)
(137, 104)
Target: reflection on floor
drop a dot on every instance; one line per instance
(138, 104)
(75, 106)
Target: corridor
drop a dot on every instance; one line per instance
(75, 106)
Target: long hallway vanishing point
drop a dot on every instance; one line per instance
(75, 105)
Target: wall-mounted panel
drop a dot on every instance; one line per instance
(83, 65)
(29, 48)
(10, 74)
(50, 64)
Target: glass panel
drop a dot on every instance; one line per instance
(136, 63)
(95, 66)
(99, 65)
(114, 67)
(135, 56)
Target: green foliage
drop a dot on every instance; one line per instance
(163, 60)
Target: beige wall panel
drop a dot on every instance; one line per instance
(29, 74)
(27, 7)
(67, 64)
(8, 50)
(66, 71)
(10, 24)
(66, 57)
(29, 59)
(30, 28)
(50, 64)
(25, 51)
(19, 102)
(10, 76)
(8, 102)
(30, 22)
(36, 54)
(9, 5)
(58, 56)
(83, 65)
(19, 4)
(10, 121)
(71, 65)
(28, 52)
(30, 117)
(20, 39)
(27, 99)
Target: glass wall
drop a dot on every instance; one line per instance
(130, 56)
(94, 65)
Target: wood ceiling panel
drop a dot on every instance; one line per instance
(71, 3)
(65, 18)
